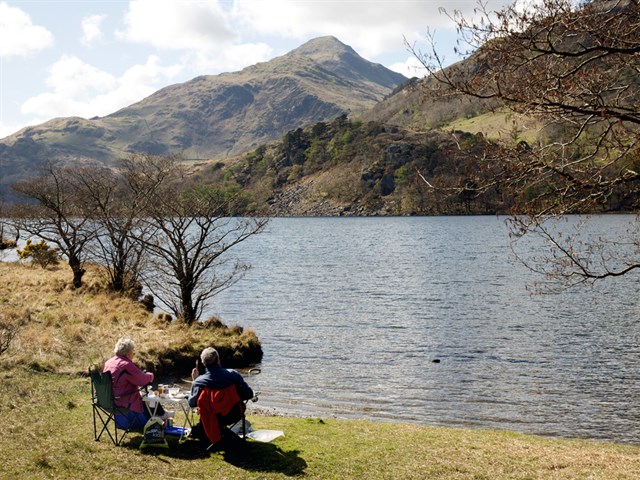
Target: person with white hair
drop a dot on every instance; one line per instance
(216, 378)
(127, 378)
(219, 394)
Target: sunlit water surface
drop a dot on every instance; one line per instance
(428, 320)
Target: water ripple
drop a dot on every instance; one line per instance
(428, 320)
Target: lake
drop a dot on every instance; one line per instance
(428, 320)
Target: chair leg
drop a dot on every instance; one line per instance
(125, 431)
(95, 427)
(124, 434)
(244, 428)
(105, 418)
(119, 441)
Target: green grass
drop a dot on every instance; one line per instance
(498, 126)
(47, 432)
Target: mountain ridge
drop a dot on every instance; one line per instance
(211, 116)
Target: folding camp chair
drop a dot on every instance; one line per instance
(105, 409)
(218, 410)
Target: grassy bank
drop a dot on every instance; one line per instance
(67, 330)
(47, 433)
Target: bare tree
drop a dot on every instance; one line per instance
(190, 232)
(576, 69)
(5, 228)
(90, 214)
(116, 220)
(145, 209)
(61, 215)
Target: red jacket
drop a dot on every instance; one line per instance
(215, 403)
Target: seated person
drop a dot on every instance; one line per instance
(127, 379)
(225, 406)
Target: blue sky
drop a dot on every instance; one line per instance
(87, 58)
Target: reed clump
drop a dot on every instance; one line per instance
(69, 330)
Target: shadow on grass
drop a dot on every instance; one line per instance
(265, 457)
(251, 456)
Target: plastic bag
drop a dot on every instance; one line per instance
(265, 436)
(237, 427)
(154, 434)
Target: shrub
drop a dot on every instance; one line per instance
(41, 253)
(9, 328)
(401, 175)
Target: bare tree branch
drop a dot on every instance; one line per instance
(576, 70)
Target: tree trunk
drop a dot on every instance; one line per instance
(78, 272)
(186, 294)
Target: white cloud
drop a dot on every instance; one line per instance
(371, 28)
(146, 75)
(410, 68)
(79, 89)
(7, 129)
(18, 35)
(174, 25)
(71, 77)
(91, 29)
(229, 59)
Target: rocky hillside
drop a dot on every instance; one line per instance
(350, 167)
(212, 116)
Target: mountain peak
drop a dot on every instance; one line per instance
(214, 116)
(322, 46)
(343, 61)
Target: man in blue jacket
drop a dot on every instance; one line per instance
(216, 378)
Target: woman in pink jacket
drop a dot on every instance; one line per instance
(127, 379)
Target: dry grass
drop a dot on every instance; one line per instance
(70, 330)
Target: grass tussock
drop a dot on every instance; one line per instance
(69, 330)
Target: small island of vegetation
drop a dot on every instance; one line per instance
(47, 326)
